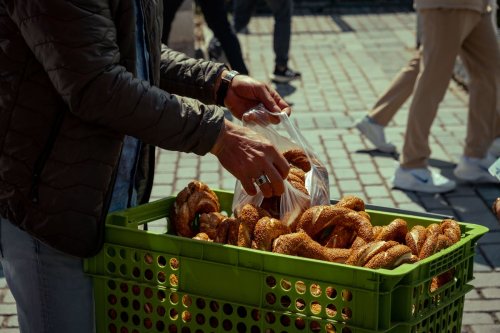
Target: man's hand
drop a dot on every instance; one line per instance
(247, 156)
(245, 93)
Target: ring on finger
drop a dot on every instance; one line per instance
(262, 179)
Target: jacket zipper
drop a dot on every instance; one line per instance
(43, 157)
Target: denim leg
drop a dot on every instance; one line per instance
(242, 13)
(282, 11)
(52, 293)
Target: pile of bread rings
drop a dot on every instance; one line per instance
(340, 233)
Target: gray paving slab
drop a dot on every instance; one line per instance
(347, 58)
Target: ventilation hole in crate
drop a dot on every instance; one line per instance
(148, 292)
(200, 319)
(123, 253)
(173, 314)
(112, 328)
(330, 328)
(160, 326)
(214, 306)
(148, 308)
(160, 310)
(162, 262)
(185, 330)
(111, 284)
(271, 281)
(300, 304)
(112, 314)
(241, 328)
(346, 330)
(200, 303)
(285, 285)
(254, 329)
(315, 326)
(346, 313)
(270, 298)
(174, 298)
(123, 329)
(315, 307)
(136, 305)
(346, 295)
(174, 264)
(186, 316)
(111, 251)
(136, 290)
(135, 331)
(269, 330)
(112, 299)
(241, 311)
(227, 325)
(331, 292)
(227, 308)
(198, 331)
(315, 290)
(136, 272)
(124, 287)
(187, 301)
(136, 320)
(124, 302)
(285, 320)
(124, 317)
(148, 274)
(111, 267)
(161, 277)
(123, 269)
(214, 323)
(148, 258)
(300, 287)
(174, 280)
(300, 323)
(161, 295)
(285, 301)
(455, 316)
(255, 314)
(454, 330)
(148, 323)
(172, 328)
(331, 310)
(136, 257)
(270, 318)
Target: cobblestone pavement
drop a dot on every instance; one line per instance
(346, 61)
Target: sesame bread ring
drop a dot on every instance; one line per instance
(396, 230)
(209, 223)
(351, 202)
(315, 219)
(298, 158)
(196, 198)
(266, 231)
(202, 236)
(248, 216)
(391, 258)
(340, 237)
(362, 255)
(451, 229)
(300, 244)
(297, 173)
(415, 239)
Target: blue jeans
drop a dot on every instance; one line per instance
(282, 11)
(52, 293)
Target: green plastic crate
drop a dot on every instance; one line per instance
(150, 282)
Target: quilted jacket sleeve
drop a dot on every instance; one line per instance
(75, 41)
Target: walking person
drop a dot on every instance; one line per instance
(90, 92)
(282, 11)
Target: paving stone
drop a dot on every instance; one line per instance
(475, 318)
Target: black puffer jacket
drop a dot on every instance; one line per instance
(68, 95)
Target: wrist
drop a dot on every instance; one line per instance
(219, 141)
(223, 84)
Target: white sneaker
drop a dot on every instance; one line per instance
(495, 148)
(476, 169)
(375, 133)
(422, 180)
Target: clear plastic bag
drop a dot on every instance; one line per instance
(285, 136)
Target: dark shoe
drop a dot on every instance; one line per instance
(285, 75)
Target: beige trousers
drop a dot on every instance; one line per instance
(398, 92)
(447, 33)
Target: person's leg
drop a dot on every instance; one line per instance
(397, 93)
(52, 293)
(443, 32)
(170, 8)
(215, 15)
(282, 12)
(242, 13)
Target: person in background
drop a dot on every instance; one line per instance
(282, 11)
(215, 14)
(88, 92)
(450, 28)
